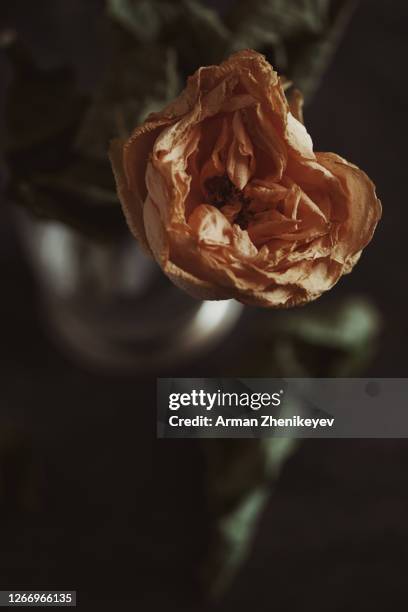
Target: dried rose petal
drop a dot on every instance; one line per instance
(224, 189)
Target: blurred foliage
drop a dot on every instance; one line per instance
(323, 340)
(48, 175)
(318, 341)
(298, 36)
(240, 476)
(56, 149)
(136, 82)
(57, 143)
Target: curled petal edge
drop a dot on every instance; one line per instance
(131, 203)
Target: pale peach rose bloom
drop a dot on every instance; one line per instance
(223, 188)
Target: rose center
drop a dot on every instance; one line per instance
(221, 191)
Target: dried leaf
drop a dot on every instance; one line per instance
(298, 37)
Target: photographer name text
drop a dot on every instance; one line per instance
(247, 401)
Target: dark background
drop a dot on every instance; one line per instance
(93, 502)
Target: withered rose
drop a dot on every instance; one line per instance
(224, 189)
